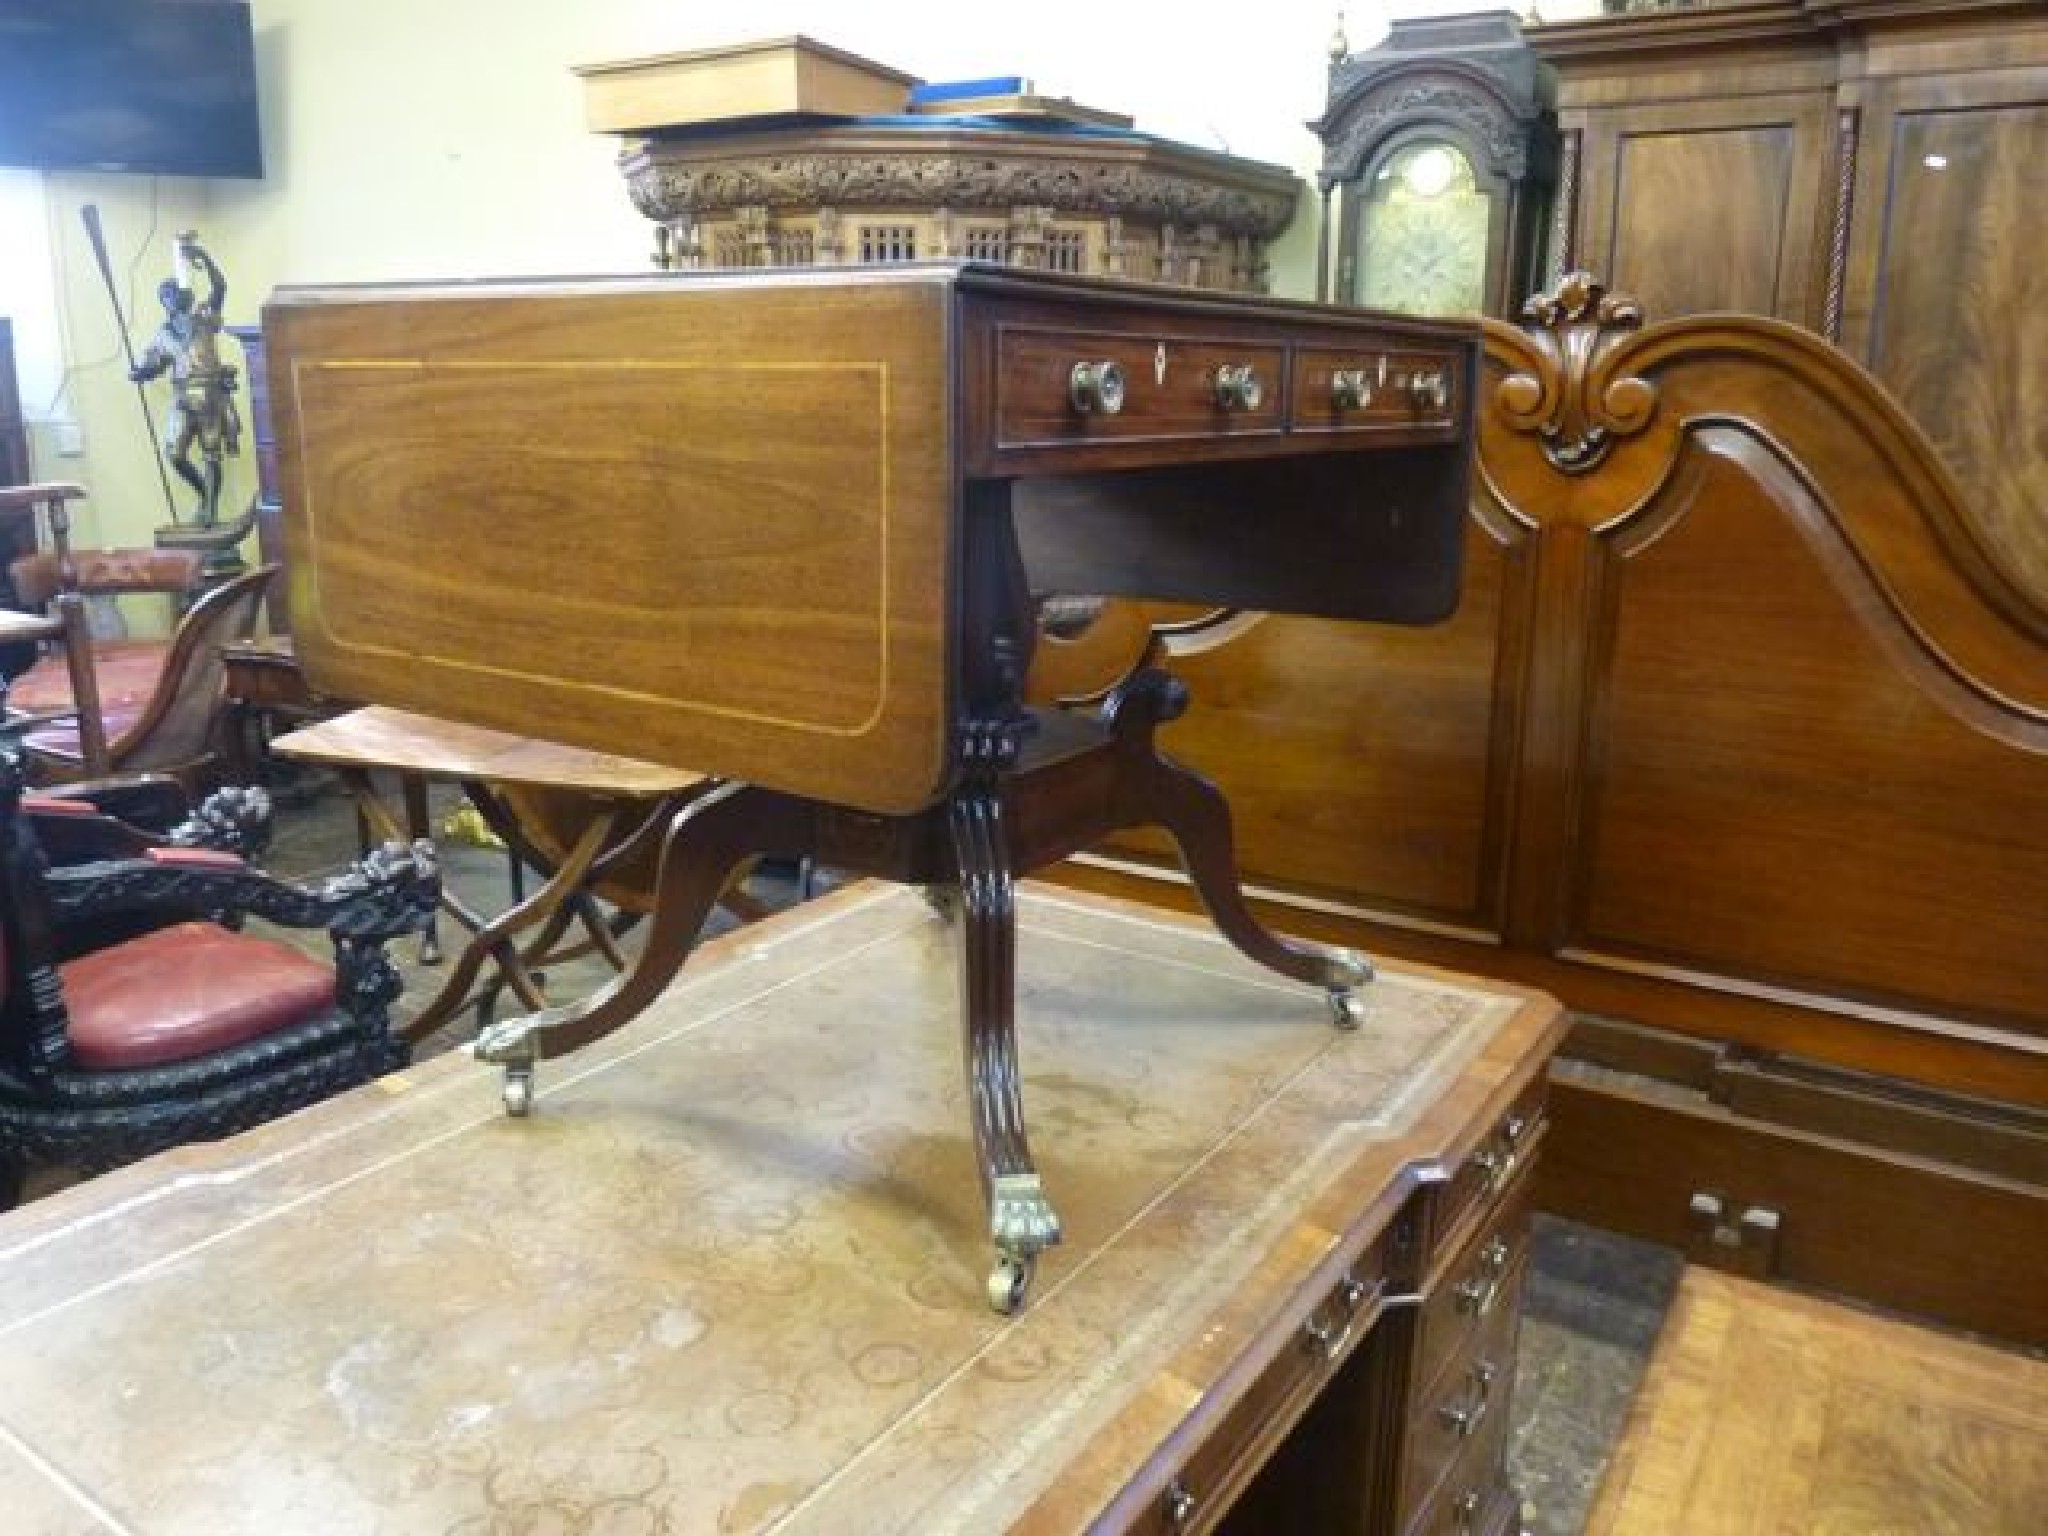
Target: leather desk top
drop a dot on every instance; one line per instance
(728, 1276)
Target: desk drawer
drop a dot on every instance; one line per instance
(1067, 386)
(1475, 1286)
(1371, 390)
(1201, 1491)
(1483, 1176)
(1459, 1416)
(1484, 1506)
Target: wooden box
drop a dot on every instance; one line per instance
(704, 85)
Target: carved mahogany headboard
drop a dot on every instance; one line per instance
(1739, 730)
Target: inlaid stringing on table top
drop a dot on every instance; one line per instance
(769, 479)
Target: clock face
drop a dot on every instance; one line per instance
(1422, 234)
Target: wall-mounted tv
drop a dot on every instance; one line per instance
(163, 87)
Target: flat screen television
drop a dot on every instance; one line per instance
(162, 87)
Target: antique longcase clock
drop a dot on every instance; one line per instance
(1438, 148)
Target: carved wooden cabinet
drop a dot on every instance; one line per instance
(867, 174)
(1866, 168)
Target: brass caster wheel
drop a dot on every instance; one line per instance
(1008, 1283)
(518, 1092)
(1347, 1012)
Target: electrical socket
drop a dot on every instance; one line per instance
(68, 438)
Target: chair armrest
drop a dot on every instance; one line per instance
(124, 818)
(393, 891)
(153, 803)
(17, 627)
(15, 497)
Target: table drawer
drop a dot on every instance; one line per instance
(1475, 1286)
(1370, 389)
(1200, 1492)
(1462, 1411)
(1066, 386)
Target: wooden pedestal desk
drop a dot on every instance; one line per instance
(809, 511)
(729, 1280)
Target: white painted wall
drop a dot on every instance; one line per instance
(433, 138)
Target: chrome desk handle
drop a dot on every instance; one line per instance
(1351, 389)
(1238, 387)
(1328, 1340)
(1097, 389)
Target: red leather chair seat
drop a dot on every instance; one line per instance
(127, 671)
(185, 991)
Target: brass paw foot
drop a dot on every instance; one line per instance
(511, 1045)
(1023, 1224)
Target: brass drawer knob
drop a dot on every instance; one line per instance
(1350, 389)
(1429, 389)
(1238, 387)
(1096, 389)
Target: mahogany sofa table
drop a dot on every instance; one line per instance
(823, 501)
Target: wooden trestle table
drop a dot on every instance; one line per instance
(627, 806)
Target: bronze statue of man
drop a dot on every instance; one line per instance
(187, 345)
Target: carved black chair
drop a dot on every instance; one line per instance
(184, 1028)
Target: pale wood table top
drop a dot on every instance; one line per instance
(1766, 1412)
(377, 737)
(729, 1275)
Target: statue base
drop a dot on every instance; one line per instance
(221, 543)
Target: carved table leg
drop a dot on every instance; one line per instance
(707, 838)
(1021, 1220)
(1157, 789)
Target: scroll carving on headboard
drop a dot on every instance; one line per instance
(1572, 397)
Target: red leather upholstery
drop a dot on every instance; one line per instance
(199, 858)
(184, 991)
(127, 671)
(51, 805)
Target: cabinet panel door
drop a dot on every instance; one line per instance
(1708, 206)
(1950, 296)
